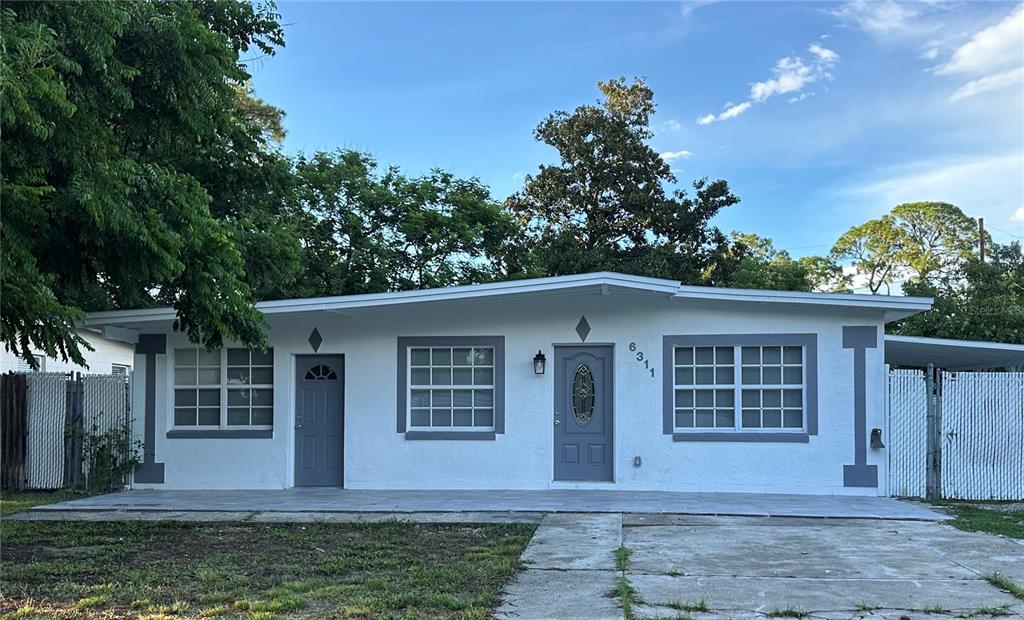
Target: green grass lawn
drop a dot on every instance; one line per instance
(154, 570)
(973, 518)
(11, 502)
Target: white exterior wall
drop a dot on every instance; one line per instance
(378, 457)
(106, 354)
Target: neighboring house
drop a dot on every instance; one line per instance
(109, 356)
(598, 380)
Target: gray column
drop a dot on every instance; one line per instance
(860, 474)
(150, 471)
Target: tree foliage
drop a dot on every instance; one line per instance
(751, 261)
(605, 205)
(131, 174)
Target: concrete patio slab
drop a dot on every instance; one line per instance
(541, 501)
(276, 517)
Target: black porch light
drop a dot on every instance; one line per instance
(538, 363)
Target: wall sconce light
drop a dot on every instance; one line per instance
(538, 363)
(876, 439)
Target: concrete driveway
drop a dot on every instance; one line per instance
(742, 567)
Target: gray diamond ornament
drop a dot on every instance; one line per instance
(583, 329)
(315, 340)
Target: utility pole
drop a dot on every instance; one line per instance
(981, 238)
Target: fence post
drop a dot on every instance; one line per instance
(933, 475)
(73, 432)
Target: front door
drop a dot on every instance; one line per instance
(583, 413)
(319, 420)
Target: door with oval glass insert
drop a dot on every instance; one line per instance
(583, 413)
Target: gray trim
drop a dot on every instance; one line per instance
(743, 437)
(217, 433)
(497, 342)
(448, 435)
(149, 471)
(859, 338)
(808, 341)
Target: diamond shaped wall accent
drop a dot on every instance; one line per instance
(315, 340)
(583, 329)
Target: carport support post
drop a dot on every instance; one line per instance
(933, 470)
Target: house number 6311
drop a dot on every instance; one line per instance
(641, 358)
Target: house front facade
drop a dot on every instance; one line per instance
(591, 381)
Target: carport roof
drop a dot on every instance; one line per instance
(951, 354)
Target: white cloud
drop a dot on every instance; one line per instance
(991, 49)
(707, 119)
(882, 19)
(989, 83)
(791, 75)
(1018, 215)
(670, 126)
(731, 111)
(930, 53)
(826, 55)
(670, 155)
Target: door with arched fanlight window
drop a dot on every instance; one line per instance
(583, 413)
(319, 420)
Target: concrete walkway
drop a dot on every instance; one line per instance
(321, 500)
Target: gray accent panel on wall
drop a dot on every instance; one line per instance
(859, 338)
(149, 471)
(808, 341)
(498, 342)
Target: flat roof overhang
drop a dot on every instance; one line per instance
(918, 352)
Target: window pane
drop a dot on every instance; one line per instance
(751, 355)
(238, 375)
(184, 398)
(684, 398)
(238, 416)
(483, 398)
(704, 376)
(751, 398)
(792, 418)
(705, 418)
(792, 375)
(705, 398)
(185, 376)
(771, 375)
(209, 416)
(462, 357)
(684, 356)
(771, 355)
(483, 376)
(263, 416)
(440, 376)
(751, 376)
(723, 355)
(260, 358)
(209, 397)
(483, 417)
(483, 357)
(793, 398)
(420, 357)
(209, 376)
(462, 398)
(751, 418)
(462, 417)
(441, 357)
(705, 355)
(771, 398)
(262, 398)
(184, 357)
(208, 358)
(238, 357)
(724, 376)
(792, 355)
(441, 398)
(421, 398)
(684, 418)
(421, 417)
(684, 376)
(725, 398)
(462, 376)
(724, 418)
(772, 418)
(185, 417)
(440, 417)
(420, 376)
(262, 376)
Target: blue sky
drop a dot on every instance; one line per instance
(820, 115)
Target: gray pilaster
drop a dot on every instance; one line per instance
(860, 338)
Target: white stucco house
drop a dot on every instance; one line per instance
(107, 357)
(599, 380)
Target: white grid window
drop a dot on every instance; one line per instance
(225, 388)
(739, 388)
(451, 388)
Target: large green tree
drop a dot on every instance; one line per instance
(370, 230)
(751, 261)
(606, 205)
(134, 173)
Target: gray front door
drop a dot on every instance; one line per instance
(319, 420)
(583, 413)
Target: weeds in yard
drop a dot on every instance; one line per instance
(622, 558)
(1003, 610)
(1005, 583)
(972, 518)
(788, 612)
(627, 597)
(697, 605)
(933, 609)
(862, 606)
